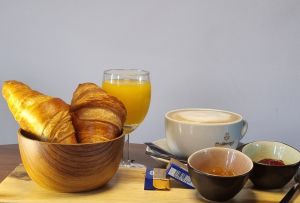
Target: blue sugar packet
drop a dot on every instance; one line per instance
(179, 172)
(148, 185)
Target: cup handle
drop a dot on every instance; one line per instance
(244, 128)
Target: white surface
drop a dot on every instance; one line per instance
(186, 138)
(271, 150)
(241, 56)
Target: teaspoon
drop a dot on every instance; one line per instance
(291, 192)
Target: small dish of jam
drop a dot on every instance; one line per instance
(275, 163)
(272, 162)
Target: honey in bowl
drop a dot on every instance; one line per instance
(219, 171)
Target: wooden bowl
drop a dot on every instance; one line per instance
(70, 167)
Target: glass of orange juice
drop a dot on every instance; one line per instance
(133, 88)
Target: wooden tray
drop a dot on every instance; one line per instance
(126, 186)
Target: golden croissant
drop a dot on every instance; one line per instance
(46, 117)
(96, 115)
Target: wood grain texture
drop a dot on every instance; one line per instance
(70, 167)
(10, 158)
(126, 186)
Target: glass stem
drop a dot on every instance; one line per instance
(128, 150)
(126, 153)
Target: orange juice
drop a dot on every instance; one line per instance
(135, 95)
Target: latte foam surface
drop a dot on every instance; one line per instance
(203, 116)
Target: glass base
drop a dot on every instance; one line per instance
(131, 164)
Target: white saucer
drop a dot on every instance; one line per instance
(162, 143)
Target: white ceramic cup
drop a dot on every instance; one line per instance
(184, 138)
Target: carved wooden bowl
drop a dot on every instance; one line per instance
(70, 167)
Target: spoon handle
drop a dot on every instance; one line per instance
(157, 148)
(290, 194)
(164, 156)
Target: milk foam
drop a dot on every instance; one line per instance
(204, 116)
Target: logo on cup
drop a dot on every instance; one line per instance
(226, 138)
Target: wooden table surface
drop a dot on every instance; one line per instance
(10, 158)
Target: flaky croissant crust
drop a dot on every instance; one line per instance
(96, 115)
(46, 117)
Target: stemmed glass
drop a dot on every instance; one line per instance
(133, 88)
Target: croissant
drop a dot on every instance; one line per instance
(96, 115)
(45, 117)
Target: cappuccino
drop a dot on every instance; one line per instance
(191, 129)
(203, 116)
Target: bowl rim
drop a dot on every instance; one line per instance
(20, 130)
(279, 166)
(213, 175)
(203, 124)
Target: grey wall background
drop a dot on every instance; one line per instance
(242, 56)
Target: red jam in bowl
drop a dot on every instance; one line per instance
(272, 162)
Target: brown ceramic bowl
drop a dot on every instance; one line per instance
(216, 186)
(268, 176)
(70, 167)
